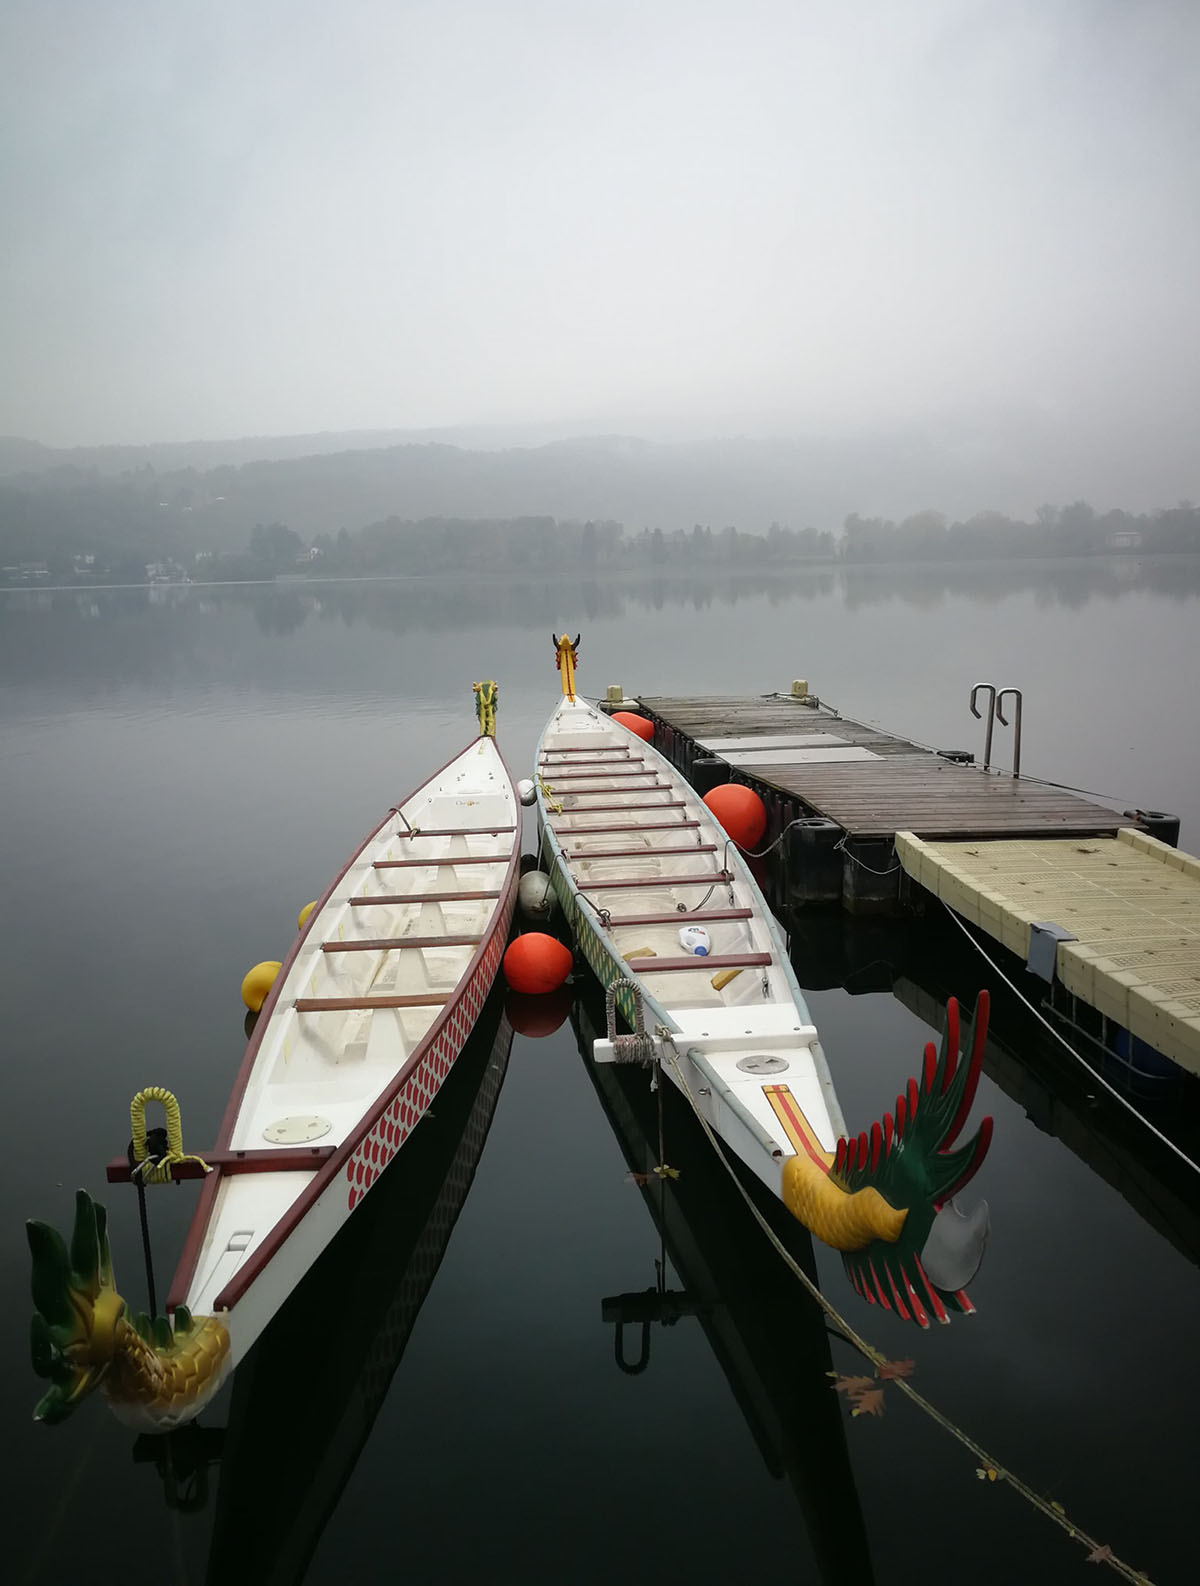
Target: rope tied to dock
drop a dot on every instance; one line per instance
(988, 1467)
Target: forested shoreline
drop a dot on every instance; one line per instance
(71, 525)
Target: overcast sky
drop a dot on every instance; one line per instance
(666, 217)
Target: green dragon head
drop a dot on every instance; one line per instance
(73, 1333)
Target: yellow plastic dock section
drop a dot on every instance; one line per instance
(1132, 902)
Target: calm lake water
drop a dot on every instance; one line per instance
(180, 770)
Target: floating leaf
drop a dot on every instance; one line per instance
(1100, 1555)
(854, 1386)
(891, 1369)
(869, 1403)
(988, 1473)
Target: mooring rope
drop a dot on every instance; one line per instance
(990, 1467)
(1062, 1041)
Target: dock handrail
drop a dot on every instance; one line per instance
(1016, 724)
(990, 690)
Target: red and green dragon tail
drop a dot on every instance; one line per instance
(911, 1159)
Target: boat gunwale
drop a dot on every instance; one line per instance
(280, 1231)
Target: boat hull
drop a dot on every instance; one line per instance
(416, 957)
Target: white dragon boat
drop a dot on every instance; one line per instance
(363, 1023)
(635, 857)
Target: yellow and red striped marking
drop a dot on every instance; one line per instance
(796, 1126)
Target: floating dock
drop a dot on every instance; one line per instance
(853, 787)
(1114, 921)
(1084, 895)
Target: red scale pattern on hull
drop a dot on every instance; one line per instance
(397, 1122)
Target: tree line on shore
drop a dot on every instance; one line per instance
(59, 537)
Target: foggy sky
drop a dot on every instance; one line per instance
(668, 217)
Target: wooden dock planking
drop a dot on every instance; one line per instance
(907, 789)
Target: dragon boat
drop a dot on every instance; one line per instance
(365, 1019)
(635, 859)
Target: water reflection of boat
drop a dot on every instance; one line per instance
(287, 1455)
(767, 1334)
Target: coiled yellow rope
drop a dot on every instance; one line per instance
(552, 802)
(143, 1168)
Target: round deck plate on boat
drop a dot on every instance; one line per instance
(297, 1130)
(761, 1063)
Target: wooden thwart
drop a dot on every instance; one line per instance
(637, 853)
(715, 878)
(287, 1159)
(635, 826)
(676, 918)
(393, 898)
(417, 832)
(655, 966)
(609, 809)
(424, 999)
(395, 944)
(558, 776)
(462, 859)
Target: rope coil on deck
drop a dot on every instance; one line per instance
(552, 802)
(637, 1047)
(148, 1169)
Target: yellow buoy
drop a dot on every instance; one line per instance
(258, 982)
(304, 913)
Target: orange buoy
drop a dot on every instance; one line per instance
(740, 811)
(536, 963)
(636, 724)
(538, 1016)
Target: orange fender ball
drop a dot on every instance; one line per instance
(636, 724)
(538, 1016)
(536, 963)
(740, 810)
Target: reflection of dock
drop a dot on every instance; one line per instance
(767, 1334)
(306, 1399)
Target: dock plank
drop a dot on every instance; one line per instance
(907, 788)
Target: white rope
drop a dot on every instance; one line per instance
(1062, 1041)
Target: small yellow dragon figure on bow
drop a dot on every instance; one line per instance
(154, 1376)
(487, 697)
(566, 658)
